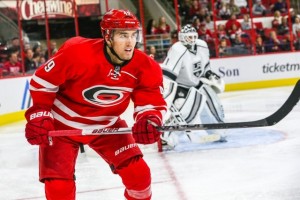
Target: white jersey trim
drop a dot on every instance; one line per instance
(44, 83)
(71, 113)
(54, 90)
(129, 74)
(78, 125)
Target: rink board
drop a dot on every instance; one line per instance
(239, 73)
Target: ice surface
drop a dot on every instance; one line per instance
(255, 164)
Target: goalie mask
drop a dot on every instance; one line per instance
(188, 36)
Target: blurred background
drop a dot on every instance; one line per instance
(31, 31)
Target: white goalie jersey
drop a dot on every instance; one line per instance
(191, 87)
(187, 66)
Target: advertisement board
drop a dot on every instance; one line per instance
(258, 69)
(35, 9)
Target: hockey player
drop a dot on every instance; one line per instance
(191, 85)
(88, 83)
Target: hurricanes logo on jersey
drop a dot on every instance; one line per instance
(115, 74)
(106, 96)
(197, 71)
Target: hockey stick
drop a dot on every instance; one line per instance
(271, 120)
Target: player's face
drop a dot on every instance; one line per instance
(123, 43)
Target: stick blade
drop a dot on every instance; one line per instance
(287, 107)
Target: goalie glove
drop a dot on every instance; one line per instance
(213, 80)
(144, 130)
(39, 122)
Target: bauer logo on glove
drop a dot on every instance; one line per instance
(41, 114)
(39, 123)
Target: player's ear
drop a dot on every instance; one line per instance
(108, 41)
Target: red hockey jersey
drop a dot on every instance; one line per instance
(85, 90)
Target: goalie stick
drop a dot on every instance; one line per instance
(271, 120)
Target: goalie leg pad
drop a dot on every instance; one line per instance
(194, 107)
(191, 106)
(184, 110)
(201, 106)
(170, 88)
(213, 111)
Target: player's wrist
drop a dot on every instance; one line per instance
(37, 112)
(150, 114)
